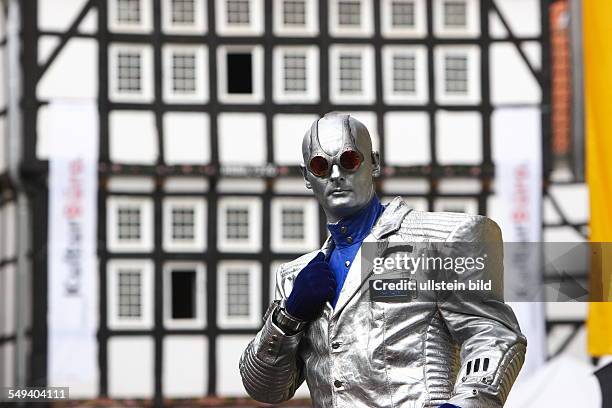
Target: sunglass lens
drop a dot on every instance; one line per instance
(350, 160)
(318, 166)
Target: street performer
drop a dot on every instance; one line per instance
(356, 351)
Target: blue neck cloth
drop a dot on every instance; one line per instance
(347, 235)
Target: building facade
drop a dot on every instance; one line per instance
(202, 106)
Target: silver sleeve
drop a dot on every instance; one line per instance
(492, 345)
(270, 367)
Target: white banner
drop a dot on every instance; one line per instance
(72, 260)
(517, 154)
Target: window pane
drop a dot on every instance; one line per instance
(183, 223)
(238, 297)
(292, 223)
(349, 13)
(455, 73)
(455, 14)
(237, 219)
(350, 73)
(183, 11)
(239, 73)
(128, 72)
(402, 14)
(128, 223)
(130, 293)
(184, 73)
(183, 294)
(295, 72)
(403, 74)
(128, 11)
(294, 12)
(237, 11)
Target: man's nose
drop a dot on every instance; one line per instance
(335, 172)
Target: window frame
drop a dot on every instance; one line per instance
(311, 95)
(198, 244)
(199, 25)
(367, 95)
(146, 18)
(366, 26)
(200, 53)
(255, 27)
(199, 321)
(419, 30)
(310, 241)
(257, 96)
(255, 293)
(146, 73)
(253, 243)
(472, 26)
(146, 321)
(421, 83)
(145, 243)
(311, 28)
(472, 96)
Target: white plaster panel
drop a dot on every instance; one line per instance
(396, 185)
(9, 300)
(229, 350)
(53, 17)
(185, 372)
(186, 138)
(74, 73)
(289, 131)
(573, 200)
(9, 364)
(133, 137)
(523, 17)
(10, 247)
(459, 137)
(130, 367)
(3, 146)
(242, 138)
(407, 138)
(511, 80)
(46, 45)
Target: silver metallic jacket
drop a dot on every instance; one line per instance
(380, 354)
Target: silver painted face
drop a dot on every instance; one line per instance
(340, 191)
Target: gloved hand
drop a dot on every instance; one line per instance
(313, 286)
(447, 405)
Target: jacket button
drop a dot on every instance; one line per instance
(337, 383)
(335, 345)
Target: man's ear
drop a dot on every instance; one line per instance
(305, 175)
(375, 164)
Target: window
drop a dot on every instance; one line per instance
(294, 12)
(350, 18)
(295, 17)
(184, 228)
(404, 74)
(349, 13)
(187, 73)
(455, 14)
(402, 14)
(239, 294)
(240, 74)
(129, 224)
(238, 227)
(130, 294)
(184, 16)
(130, 73)
(294, 225)
(129, 15)
(403, 18)
(455, 74)
(456, 18)
(239, 17)
(352, 74)
(297, 73)
(184, 289)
